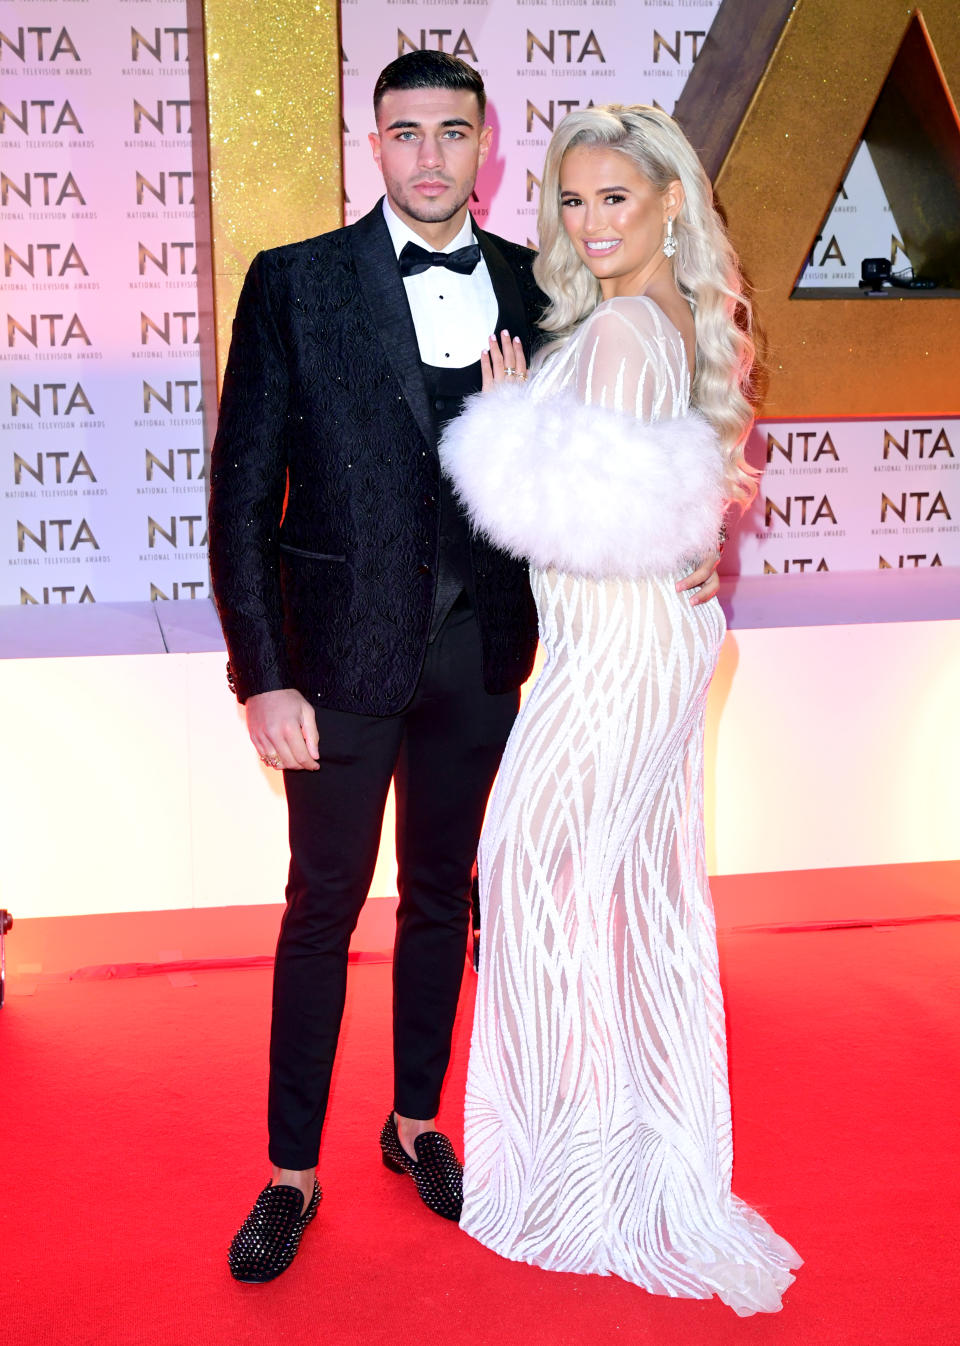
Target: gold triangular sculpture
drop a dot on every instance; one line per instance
(913, 140)
(825, 73)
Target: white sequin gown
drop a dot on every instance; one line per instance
(598, 1132)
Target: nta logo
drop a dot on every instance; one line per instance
(57, 593)
(798, 564)
(177, 336)
(675, 49)
(71, 260)
(38, 49)
(182, 458)
(33, 119)
(162, 262)
(918, 511)
(823, 510)
(66, 468)
(549, 117)
(191, 396)
(911, 561)
(52, 404)
(63, 535)
(194, 537)
(462, 46)
(191, 589)
(52, 194)
(160, 120)
(166, 44)
(574, 46)
(805, 444)
(159, 190)
(55, 336)
(914, 443)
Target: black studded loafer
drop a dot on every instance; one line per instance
(436, 1170)
(267, 1241)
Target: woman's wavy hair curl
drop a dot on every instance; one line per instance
(705, 266)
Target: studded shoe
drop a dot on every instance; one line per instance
(267, 1241)
(436, 1170)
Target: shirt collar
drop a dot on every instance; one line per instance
(401, 233)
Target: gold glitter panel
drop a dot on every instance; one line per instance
(274, 141)
(895, 355)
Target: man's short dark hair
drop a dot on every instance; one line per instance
(429, 70)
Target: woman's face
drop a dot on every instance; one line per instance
(615, 217)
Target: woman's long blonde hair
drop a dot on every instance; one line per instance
(705, 266)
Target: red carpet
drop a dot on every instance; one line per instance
(133, 1137)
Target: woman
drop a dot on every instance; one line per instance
(598, 1134)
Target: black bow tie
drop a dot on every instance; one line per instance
(414, 259)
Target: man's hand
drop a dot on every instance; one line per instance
(283, 729)
(705, 578)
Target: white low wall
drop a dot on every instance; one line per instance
(128, 782)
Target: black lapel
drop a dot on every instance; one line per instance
(381, 285)
(512, 313)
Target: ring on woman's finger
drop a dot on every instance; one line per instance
(510, 373)
(273, 761)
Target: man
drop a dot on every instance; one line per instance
(370, 635)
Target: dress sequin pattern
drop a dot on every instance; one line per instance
(598, 1129)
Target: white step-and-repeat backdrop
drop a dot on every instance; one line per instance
(102, 461)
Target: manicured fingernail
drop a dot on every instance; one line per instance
(516, 341)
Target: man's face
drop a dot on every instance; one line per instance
(428, 145)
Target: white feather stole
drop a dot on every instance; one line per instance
(585, 490)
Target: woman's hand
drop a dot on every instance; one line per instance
(705, 579)
(503, 361)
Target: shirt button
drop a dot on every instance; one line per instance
(423, 568)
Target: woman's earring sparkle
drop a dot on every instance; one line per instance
(669, 242)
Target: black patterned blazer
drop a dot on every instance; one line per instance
(325, 481)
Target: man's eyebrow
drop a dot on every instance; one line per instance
(402, 125)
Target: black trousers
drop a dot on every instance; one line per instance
(443, 752)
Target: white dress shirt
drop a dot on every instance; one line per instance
(453, 314)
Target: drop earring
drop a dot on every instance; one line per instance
(669, 242)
